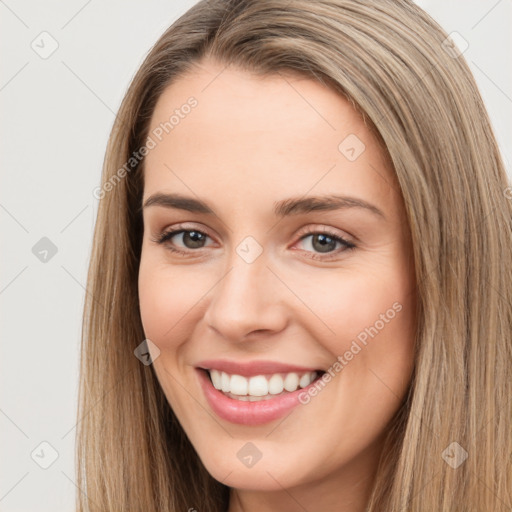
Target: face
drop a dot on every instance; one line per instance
(276, 278)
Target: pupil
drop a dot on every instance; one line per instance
(326, 243)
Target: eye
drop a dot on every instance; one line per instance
(322, 244)
(191, 239)
(325, 242)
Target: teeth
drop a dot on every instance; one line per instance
(305, 380)
(216, 379)
(275, 385)
(224, 382)
(291, 382)
(238, 385)
(258, 386)
(253, 388)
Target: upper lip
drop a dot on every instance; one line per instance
(252, 368)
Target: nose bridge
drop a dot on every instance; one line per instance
(246, 298)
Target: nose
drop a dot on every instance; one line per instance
(248, 302)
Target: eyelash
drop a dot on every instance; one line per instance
(165, 236)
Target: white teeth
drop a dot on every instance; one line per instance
(258, 386)
(238, 385)
(254, 388)
(291, 382)
(275, 385)
(305, 380)
(224, 379)
(216, 379)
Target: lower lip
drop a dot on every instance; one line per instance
(248, 413)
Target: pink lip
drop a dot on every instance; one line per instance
(252, 368)
(248, 413)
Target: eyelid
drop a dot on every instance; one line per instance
(322, 228)
(309, 229)
(184, 226)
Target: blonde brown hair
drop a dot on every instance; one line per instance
(388, 59)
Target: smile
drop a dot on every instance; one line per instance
(254, 393)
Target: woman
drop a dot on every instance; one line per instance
(298, 291)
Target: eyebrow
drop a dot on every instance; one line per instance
(283, 208)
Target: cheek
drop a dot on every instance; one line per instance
(154, 293)
(378, 341)
(371, 318)
(349, 304)
(165, 303)
(165, 298)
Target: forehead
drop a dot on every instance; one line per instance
(230, 97)
(261, 134)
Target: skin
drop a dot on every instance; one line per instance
(248, 143)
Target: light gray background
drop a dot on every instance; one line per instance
(57, 113)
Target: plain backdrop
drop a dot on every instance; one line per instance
(65, 68)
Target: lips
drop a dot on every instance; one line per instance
(262, 407)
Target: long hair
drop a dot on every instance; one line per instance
(449, 446)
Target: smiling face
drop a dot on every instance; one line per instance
(272, 285)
